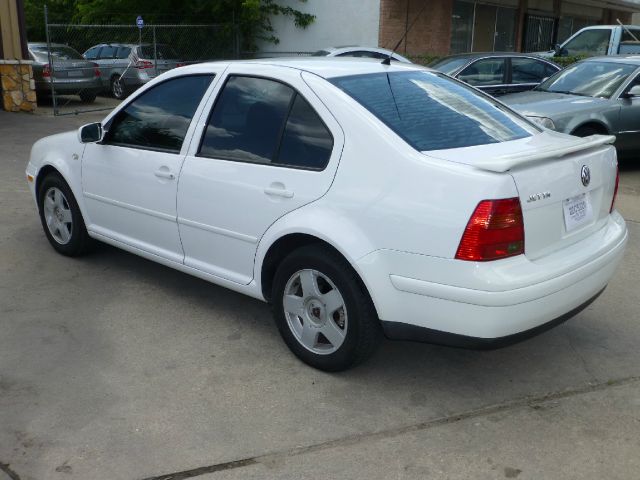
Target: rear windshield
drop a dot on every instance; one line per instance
(320, 53)
(57, 52)
(164, 52)
(432, 112)
(449, 65)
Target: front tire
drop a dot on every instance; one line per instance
(585, 131)
(61, 217)
(322, 310)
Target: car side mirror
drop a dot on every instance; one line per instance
(90, 133)
(557, 48)
(632, 92)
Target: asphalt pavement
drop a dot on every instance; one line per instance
(114, 367)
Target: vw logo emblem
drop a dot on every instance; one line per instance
(585, 175)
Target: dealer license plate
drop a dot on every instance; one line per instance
(75, 73)
(577, 211)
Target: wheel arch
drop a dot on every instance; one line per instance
(282, 246)
(597, 125)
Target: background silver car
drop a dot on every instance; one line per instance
(136, 62)
(361, 52)
(71, 75)
(597, 95)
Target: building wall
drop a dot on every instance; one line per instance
(430, 33)
(337, 23)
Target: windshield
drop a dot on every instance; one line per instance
(449, 65)
(58, 52)
(588, 79)
(432, 112)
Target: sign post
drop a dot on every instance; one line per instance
(140, 24)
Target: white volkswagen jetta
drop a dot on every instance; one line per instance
(356, 197)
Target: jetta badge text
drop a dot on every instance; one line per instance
(585, 175)
(538, 196)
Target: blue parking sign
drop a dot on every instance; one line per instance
(140, 21)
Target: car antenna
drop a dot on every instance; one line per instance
(387, 61)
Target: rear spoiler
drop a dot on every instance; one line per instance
(506, 162)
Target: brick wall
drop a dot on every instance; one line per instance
(431, 33)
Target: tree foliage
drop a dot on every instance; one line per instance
(253, 17)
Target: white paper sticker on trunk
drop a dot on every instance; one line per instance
(577, 211)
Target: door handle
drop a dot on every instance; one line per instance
(278, 192)
(164, 174)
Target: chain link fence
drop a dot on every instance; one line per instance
(82, 68)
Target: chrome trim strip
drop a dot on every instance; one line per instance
(219, 231)
(133, 208)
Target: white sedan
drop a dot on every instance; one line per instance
(358, 198)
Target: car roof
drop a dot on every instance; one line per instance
(325, 67)
(628, 59)
(474, 55)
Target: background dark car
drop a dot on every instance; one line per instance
(497, 73)
(71, 75)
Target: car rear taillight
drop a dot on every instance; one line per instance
(615, 190)
(179, 64)
(142, 64)
(495, 230)
(96, 70)
(46, 71)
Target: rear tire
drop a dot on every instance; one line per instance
(322, 310)
(61, 217)
(118, 88)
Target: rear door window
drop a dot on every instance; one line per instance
(488, 71)
(108, 52)
(258, 120)
(432, 112)
(123, 52)
(529, 70)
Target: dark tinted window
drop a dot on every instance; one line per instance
(108, 52)
(58, 52)
(123, 52)
(159, 118)
(364, 54)
(247, 120)
(449, 65)
(92, 53)
(306, 141)
(529, 70)
(432, 112)
(489, 71)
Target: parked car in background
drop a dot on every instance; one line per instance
(361, 52)
(599, 40)
(497, 73)
(596, 95)
(71, 73)
(125, 67)
(356, 197)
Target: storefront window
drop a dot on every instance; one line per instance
(480, 28)
(461, 27)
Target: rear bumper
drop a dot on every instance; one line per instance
(489, 301)
(70, 86)
(404, 331)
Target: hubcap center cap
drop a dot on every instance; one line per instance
(315, 312)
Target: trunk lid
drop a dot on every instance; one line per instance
(548, 169)
(74, 69)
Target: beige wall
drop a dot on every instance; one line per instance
(10, 30)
